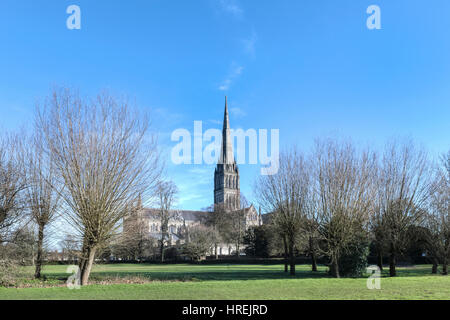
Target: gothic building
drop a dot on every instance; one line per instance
(226, 194)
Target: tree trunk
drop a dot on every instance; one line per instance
(140, 250)
(82, 259)
(334, 270)
(285, 254)
(392, 270)
(215, 252)
(162, 248)
(292, 257)
(392, 262)
(380, 259)
(434, 269)
(314, 261)
(444, 267)
(312, 251)
(87, 266)
(40, 253)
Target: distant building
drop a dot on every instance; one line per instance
(226, 194)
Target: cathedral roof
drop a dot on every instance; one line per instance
(188, 215)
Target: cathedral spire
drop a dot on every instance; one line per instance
(226, 174)
(226, 118)
(226, 156)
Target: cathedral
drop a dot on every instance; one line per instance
(226, 195)
(226, 174)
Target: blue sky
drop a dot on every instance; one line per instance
(308, 68)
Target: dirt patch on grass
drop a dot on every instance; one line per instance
(105, 281)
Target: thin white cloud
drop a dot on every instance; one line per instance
(238, 70)
(235, 72)
(185, 200)
(233, 7)
(225, 85)
(194, 184)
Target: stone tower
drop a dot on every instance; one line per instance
(226, 174)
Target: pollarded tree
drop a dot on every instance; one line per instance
(437, 219)
(343, 183)
(43, 192)
(378, 228)
(105, 158)
(286, 195)
(309, 237)
(12, 184)
(403, 189)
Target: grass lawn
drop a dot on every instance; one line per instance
(237, 282)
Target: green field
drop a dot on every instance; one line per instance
(240, 282)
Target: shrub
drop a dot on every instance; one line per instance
(200, 242)
(353, 262)
(9, 273)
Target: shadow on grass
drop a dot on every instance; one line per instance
(411, 271)
(226, 272)
(197, 273)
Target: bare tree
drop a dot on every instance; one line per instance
(437, 219)
(378, 229)
(343, 184)
(70, 248)
(105, 158)
(200, 241)
(403, 187)
(12, 184)
(43, 191)
(135, 242)
(216, 220)
(24, 245)
(286, 195)
(310, 236)
(166, 192)
(233, 224)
